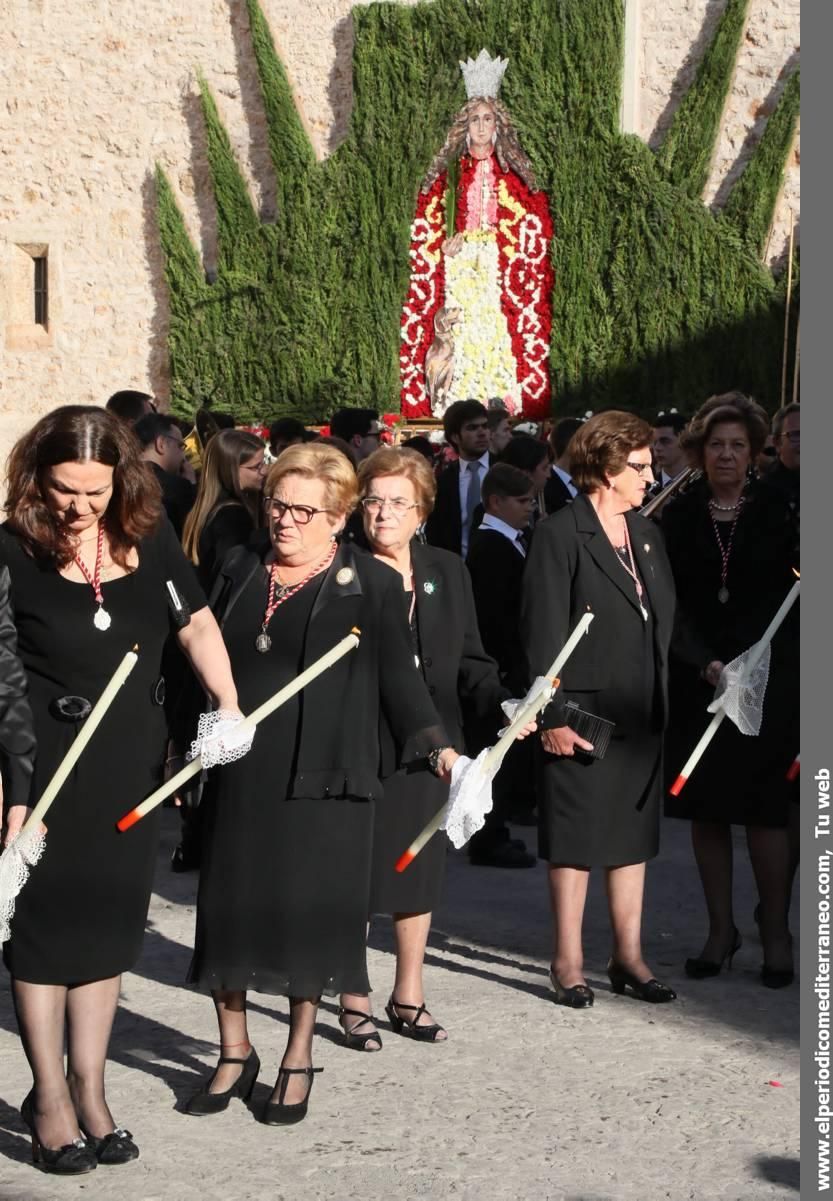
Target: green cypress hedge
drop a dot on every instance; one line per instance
(657, 300)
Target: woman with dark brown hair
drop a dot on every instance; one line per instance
(227, 508)
(90, 558)
(733, 543)
(598, 555)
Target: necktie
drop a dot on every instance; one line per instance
(473, 492)
(522, 540)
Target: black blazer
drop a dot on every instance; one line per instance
(573, 569)
(338, 751)
(444, 528)
(17, 732)
(497, 572)
(178, 496)
(456, 668)
(556, 494)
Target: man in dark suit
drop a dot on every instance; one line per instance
(465, 424)
(669, 456)
(559, 489)
(163, 448)
(496, 561)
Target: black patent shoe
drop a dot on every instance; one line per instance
(73, 1159)
(114, 1148)
(702, 969)
(205, 1102)
(775, 977)
(644, 990)
(579, 996)
(276, 1113)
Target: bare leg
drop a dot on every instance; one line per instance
(90, 1011)
(298, 1053)
(40, 1010)
(712, 842)
(625, 891)
(234, 1038)
(769, 851)
(411, 933)
(568, 894)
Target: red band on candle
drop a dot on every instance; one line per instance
(678, 785)
(795, 769)
(404, 860)
(129, 819)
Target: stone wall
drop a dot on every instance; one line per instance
(94, 94)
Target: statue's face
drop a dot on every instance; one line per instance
(482, 127)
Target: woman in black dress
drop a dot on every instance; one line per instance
(89, 555)
(398, 489)
(598, 555)
(733, 543)
(227, 508)
(283, 897)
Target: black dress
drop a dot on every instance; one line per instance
(229, 525)
(741, 778)
(284, 887)
(450, 656)
(81, 916)
(600, 813)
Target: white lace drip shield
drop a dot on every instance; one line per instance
(740, 693)
(17, 860)
(219, 740)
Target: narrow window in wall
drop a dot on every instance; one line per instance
(41, 289)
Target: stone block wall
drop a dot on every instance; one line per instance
(94, 94)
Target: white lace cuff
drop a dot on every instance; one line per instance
(469, 799)
(218, 739)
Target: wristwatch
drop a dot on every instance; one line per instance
(433, 758)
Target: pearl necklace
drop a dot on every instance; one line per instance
(725, 508)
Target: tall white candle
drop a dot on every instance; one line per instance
(84, 735)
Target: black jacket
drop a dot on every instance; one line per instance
(497, 572)
(17, 733)
(556, 494)
(457, 670)
(178, 496)
(338, 752)
(444, 528)
(572, 569)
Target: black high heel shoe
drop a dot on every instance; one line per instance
(776, 977)
(578, 996)
(408, 1027)
(359, 1042)
(205, 1102)
(276, 1113)
(73, 1159)
(701, 969)
(114, 1148)
(644, 990)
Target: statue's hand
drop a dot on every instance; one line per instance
(452, 246)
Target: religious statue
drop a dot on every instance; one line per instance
(477, 318)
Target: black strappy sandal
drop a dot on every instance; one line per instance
(408, 1027)
(359, 1042)
(275, 1113)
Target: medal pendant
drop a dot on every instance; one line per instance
(723, 595)
(102, 619)
(644, 612)
(263, 643)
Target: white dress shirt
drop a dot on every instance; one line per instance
(490, 522)
(465, 475)
(566, 479)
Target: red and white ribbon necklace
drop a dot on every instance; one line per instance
(102, 619)
(631, 570)
(278, 593)
(725, 551)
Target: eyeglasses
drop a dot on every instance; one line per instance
(261, 468)
(793, 436)
(300, 514)
(397, 505)
(640, 468)
(180, 442)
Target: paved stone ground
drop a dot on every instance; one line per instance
(526, 1100)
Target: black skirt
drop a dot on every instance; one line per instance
(410, 801)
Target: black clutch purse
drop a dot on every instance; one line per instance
(594, 729)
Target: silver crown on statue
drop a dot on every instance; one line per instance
(482, 75)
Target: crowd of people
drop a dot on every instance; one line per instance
(465, 566)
